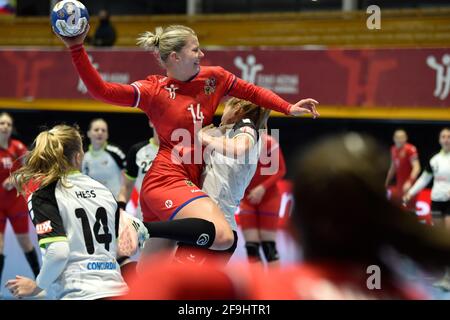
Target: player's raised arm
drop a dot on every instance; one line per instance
(267, 99)
(109, 92)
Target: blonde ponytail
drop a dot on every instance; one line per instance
(149, 40)
(166, 40)
(50, 159)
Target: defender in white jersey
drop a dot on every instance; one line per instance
(438, 169)
(103, 161)
(232, 153)
(139, 160)
(76, 219)
(226, 176)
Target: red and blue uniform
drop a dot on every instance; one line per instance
(402, 159)
(12, 206)
(264, 215)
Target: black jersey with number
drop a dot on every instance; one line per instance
(84, 213)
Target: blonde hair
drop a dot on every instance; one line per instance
(51, 157)
(166, 40)
(250, 110)
(6, 114)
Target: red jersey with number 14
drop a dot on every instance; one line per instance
(177, 109)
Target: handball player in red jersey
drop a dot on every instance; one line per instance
(405, 166)
(179, 104)
(259, 209)
(12, 206)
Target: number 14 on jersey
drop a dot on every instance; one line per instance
(197, 115)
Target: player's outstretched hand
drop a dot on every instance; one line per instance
(72, 41)
(305, 106)
(22, 287)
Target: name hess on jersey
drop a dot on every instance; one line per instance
(85, 194)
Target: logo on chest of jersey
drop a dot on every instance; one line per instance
(171, 89)
(189, 183)
(210, 85)
(44, 227)
(7, 163)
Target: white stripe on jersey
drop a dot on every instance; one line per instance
(116, 150)
(136, 86)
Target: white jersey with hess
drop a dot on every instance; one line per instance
(225, 178)
(105, 166)
(139, 160)
(86, 215)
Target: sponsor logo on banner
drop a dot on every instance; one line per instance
(442, 86)
(279, 83)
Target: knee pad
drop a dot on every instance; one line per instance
(270, 250)
(253, 251)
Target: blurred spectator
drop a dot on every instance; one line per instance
(405, 166)
(105, 34)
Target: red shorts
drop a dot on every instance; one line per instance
(264, 215)
(164, 195)
(17, 213)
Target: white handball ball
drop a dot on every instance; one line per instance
(69, 18)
